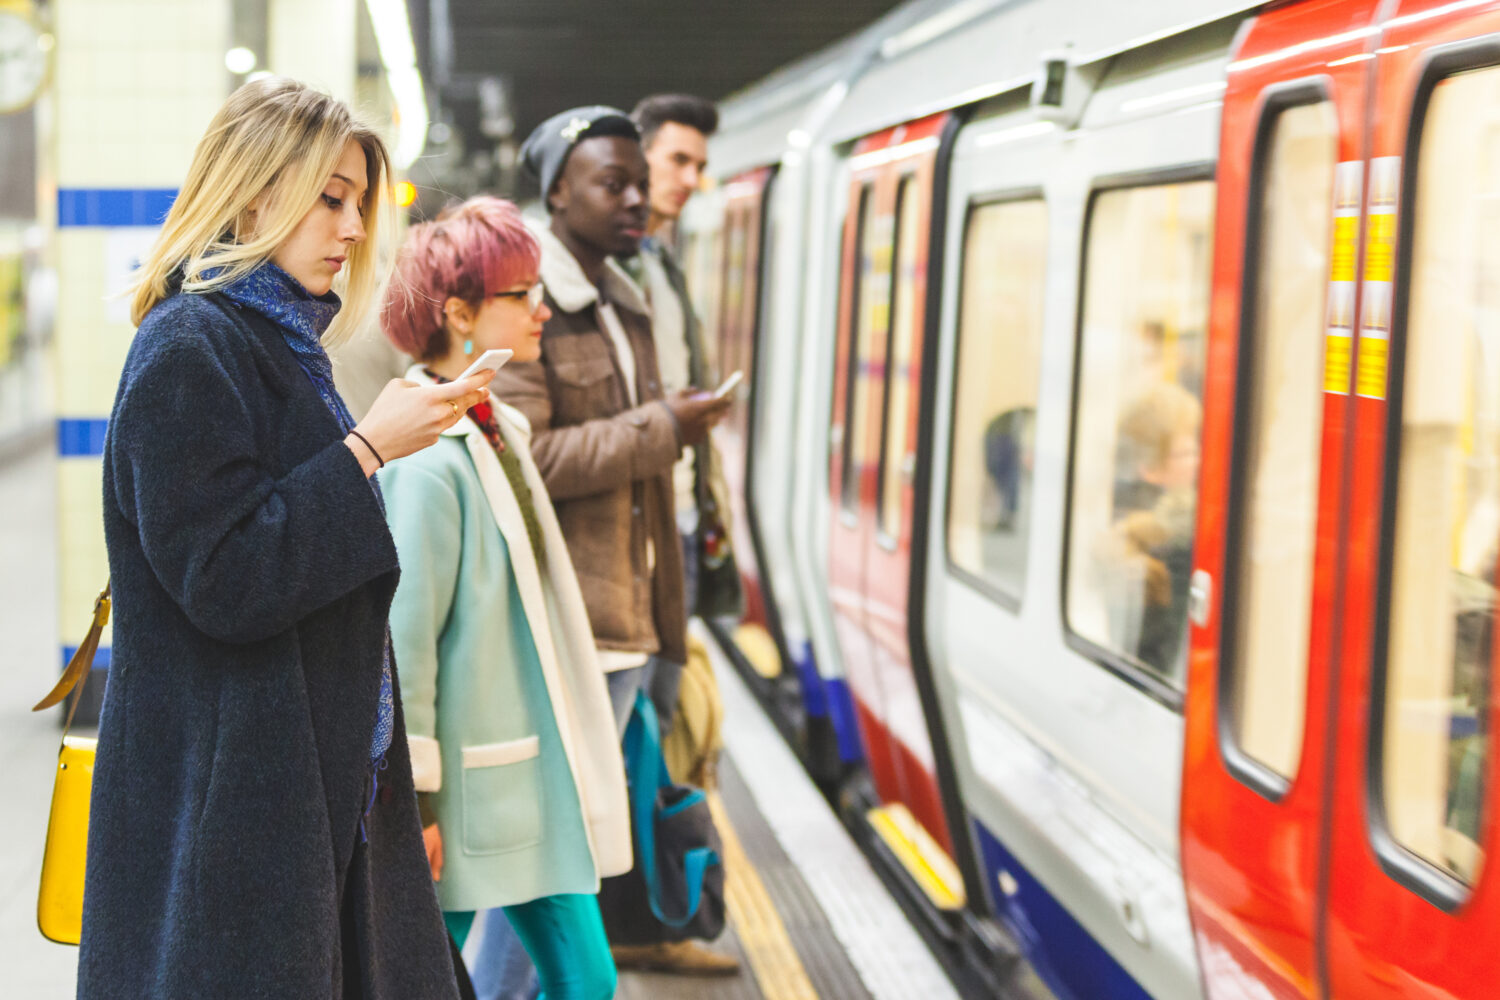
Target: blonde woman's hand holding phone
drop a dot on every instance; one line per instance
(407, 417)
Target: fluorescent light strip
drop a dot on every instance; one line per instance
(1171, 96)
(1302, 48)
(398, 55)
(1014, 134)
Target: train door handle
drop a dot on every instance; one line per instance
(1200, 597)
(1128, 906)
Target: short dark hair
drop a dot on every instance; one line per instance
(684, 109)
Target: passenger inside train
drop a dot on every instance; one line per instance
(1147, 557)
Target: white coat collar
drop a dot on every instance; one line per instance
(570, 287)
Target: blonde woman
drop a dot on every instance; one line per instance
(513, 740)
(254, 831)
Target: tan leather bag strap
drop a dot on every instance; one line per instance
(82, 663)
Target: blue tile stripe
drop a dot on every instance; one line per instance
(80, 438)
(101, 656)
(113, 206)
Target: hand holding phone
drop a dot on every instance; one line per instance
(494, 360)
(729, 385)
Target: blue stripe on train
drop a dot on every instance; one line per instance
(814, 699)
(1064, 954)
(828, 697)
(841, 711)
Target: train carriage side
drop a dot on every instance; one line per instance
(1066, 442)
(746, 246)
(1184, 276)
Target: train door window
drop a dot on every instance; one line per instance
(1137, 423)
(995, 397)
(1274, 507)
(870, 308)
(895, 469)
(1440, 559)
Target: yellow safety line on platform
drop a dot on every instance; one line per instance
(919, 854)
(777, 967)
(759, 649)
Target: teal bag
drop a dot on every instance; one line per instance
(675, 890)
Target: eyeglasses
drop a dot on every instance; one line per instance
(532, 295)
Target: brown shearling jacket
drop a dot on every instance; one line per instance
(607, 464)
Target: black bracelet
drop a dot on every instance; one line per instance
(369, 446)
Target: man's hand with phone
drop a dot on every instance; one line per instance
(727, 387)
(696, 412)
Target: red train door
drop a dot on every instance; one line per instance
(1413, 896)
(1276, 404)
(875, 399)
(738, 311)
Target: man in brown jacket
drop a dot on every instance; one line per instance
(604, 435)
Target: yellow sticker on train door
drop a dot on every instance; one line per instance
(1373, 365)
(1338, 341)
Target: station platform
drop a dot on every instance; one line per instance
(809, 917)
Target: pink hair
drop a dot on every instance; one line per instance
(477, 249)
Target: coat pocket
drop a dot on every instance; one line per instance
(502, 796)
(585, 389)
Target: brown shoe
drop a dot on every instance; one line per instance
(684, 958)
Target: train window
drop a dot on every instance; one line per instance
(870, 314)
(1134, 477)
(994, 409)
(1274, 508)
(1440, 583)
(895, 469)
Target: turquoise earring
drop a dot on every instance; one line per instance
(468, 348)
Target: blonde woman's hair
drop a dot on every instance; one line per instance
(282, 139)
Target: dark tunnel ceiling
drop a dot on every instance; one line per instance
(557, 54)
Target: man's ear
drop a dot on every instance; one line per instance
(558, 199)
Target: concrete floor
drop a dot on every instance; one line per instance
(31, 968)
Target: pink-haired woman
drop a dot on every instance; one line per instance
(512, 737)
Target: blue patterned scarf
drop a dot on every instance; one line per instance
(303, 318)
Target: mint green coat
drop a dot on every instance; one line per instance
(507, 713)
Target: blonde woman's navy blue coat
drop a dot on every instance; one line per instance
(252, 573)
(507, 711)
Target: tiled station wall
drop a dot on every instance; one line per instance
(134, 86)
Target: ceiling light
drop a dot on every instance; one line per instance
(392, 27)
(239, 60)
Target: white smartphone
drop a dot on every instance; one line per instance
(489, 359)
(729, 385)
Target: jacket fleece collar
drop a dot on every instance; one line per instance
(570, 287)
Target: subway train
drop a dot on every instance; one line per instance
(1116, 478)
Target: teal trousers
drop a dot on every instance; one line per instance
(564, 935)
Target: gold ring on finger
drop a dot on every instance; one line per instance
(454, 406)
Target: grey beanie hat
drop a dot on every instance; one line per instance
(546, 149)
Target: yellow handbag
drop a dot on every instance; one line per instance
(59, 905)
